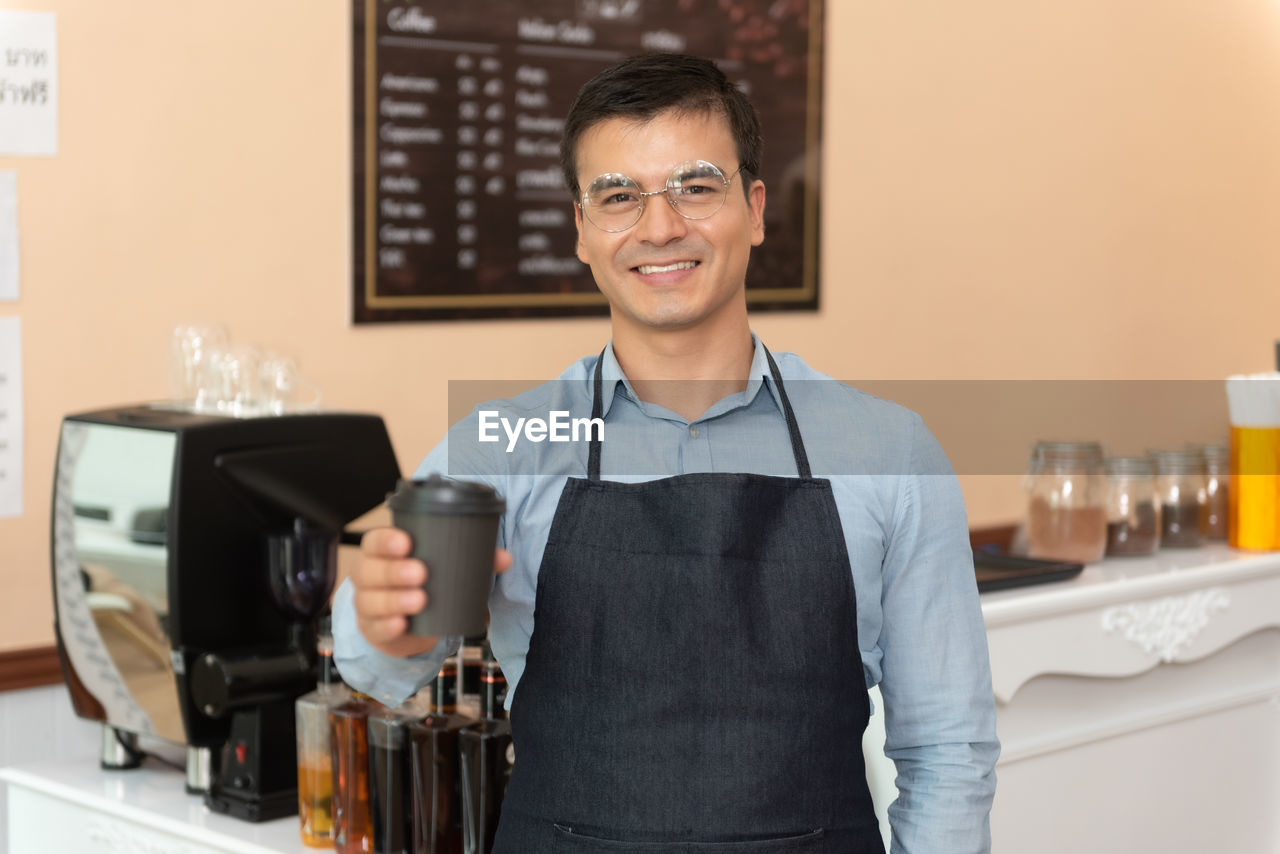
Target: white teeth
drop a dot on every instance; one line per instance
(647, 269)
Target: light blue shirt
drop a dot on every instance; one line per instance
(920, 627)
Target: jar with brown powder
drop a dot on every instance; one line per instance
(1184, 510)
(1217, 459)
(1133, 509)
(1067, 515)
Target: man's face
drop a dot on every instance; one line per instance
(667, 272)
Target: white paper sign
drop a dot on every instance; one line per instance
(28, 83)
(8, 236)
(10, 417)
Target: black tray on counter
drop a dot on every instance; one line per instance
(1000, 572)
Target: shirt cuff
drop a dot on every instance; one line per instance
(387, 679)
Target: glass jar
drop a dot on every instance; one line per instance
(1181, 485)
(1217, 463)
(1066, 517)
(1133, 510)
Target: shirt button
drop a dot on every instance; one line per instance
(693, 431)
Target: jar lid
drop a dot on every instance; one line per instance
(437, 494)
(1133, 466)
(1074, 454)
(1214, 455)
(1178, 462)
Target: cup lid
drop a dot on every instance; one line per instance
(437, 494)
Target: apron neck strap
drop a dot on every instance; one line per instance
(597, 411)
(797, 444)
(793, 428)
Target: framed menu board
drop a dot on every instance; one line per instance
(460, 209)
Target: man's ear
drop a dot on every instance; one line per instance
(577, 222)
(755, 206)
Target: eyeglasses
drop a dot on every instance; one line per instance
(695, 189)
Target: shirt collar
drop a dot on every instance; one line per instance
(611, 377)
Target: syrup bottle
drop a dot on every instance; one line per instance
(486, 759)
(390, 780)
(315, 763)
(437, 797)
(349, 732)
(447, 687)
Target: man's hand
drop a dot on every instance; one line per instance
(388, 589)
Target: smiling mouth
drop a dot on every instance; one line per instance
(649, 269)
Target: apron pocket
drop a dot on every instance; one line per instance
(802, 843)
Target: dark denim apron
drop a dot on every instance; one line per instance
(693, 682)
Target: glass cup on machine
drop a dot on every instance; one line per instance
(229, 381)
(282, 389)
(190, 349)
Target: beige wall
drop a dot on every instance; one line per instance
(1013, 190)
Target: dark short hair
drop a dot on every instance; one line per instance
(643, 86)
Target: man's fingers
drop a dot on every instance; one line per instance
(374, 572)
(382, 630)
(502, 560)
(378, 603)
(386, 543)
(389, 637)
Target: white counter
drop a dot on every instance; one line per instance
(1139, 711)
(1139, 706)
(71, 805)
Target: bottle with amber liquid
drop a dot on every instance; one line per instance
(470, 664)
(437, 799)
(447, 687)
(493, 687)
(349, 733)
(315, 763)
(487, 756)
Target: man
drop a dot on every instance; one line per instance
(709, 611)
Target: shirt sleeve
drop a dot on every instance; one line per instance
(387, 679)
(940, 722)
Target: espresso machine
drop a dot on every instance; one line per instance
(193, 555)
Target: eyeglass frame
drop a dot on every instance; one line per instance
(666, 189)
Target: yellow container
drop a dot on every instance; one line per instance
(1254, 494)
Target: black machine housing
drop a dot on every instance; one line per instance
(248, 498)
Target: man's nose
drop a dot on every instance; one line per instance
(660, 223)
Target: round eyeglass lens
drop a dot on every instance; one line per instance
(697, 189)
(612, 201)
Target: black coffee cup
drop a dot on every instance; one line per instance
(454, 526)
